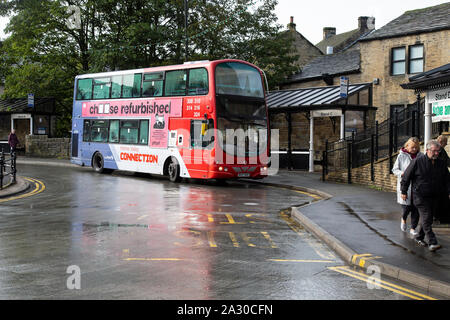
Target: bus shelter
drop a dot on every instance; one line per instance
(38, 119)
(353, 114)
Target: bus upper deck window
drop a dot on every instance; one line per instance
(84, 89)
(153, 84)
(116, 87)
(198, 82)
(102, 88)
(131, 87)
(175, 83)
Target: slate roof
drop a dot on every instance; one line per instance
(20, 105)
(414, 22)
(345, 62)
(311, 98)
(336, 40)
(436, 77)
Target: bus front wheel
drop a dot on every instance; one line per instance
(174, 170)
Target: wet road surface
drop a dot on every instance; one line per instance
(141, 237)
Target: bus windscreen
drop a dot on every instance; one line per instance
(238, 79)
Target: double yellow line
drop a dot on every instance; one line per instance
(381, 283)
(38, 185)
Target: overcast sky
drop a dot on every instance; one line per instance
(312, 16)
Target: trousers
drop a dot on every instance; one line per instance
(414, 215)
(425, 208)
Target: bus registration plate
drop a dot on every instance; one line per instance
(243, 175)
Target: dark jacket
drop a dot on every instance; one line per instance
(12, 140)
(428, 180)
(444, 156)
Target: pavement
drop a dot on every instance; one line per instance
(361, 224)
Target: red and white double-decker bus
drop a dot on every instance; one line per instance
(206, 120)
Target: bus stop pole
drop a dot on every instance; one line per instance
(311, 143)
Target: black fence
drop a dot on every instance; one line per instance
(381, 141)
(8, 167)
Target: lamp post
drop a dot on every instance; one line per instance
(186, 12)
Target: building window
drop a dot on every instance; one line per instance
(416, 59)
(398, 61)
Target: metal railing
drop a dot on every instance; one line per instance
(381, 141)
(7, 167)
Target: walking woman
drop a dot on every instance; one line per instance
(409, 152)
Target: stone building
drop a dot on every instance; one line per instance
(324, 72)
(417, 41)
(334, 43)
(305, 50)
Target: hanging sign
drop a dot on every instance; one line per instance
(440, 103)
(326, 113)
(344, 87)
(31, 100)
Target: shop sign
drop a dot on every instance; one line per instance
(440, 103)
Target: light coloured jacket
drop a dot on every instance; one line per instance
(400, 165)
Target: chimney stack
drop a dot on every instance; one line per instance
(291, 26)
(366, 23)
(328, 32)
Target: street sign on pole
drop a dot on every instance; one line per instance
(344, 87)
(31, 100)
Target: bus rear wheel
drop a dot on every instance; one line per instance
(98, 163)
(174, 170)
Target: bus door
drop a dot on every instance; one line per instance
(202, 147)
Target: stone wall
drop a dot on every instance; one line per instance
(43, 146)
(383, 179)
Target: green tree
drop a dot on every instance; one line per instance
(44, 52)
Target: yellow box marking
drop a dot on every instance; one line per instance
(211, 240)
(231, 220)
(233, 239)
(267, 236)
